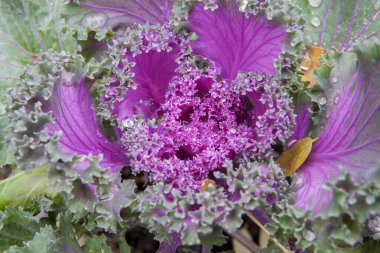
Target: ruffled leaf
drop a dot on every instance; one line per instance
(26, 27)
(153, 72)
(235, 42)
(16, 226)
(340, 24)
(43, 241)
(97, 244)
(195, 214)
(350, 139)
(6, 149)
(74, 115)
(106, 13)
(340, 228)
(139, 65)
(55, 237)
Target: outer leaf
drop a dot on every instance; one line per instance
(16, 226)
(26, 27)
(21, 188)
(340, 227)
(109, 13)
(88, 184)
(74, 114)
(350, 139)
(97, 244)
(48, 240)
(340, 23)
(6, 149)
(369, 246)
(235, 42)
(43, 241)
(215, 238)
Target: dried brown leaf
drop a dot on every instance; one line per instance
(292, 159)
(206, 184)
(310, 61)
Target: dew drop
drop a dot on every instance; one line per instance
(315, 21)
(322, 101)
(128, 123)
(293, 43)
(315, 3)
(308, 235)
(334, 79)
(94, 20)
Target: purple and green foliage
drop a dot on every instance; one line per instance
(172, 117)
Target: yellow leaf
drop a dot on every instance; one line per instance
(206, 183)
(310, 61)
(292, 159)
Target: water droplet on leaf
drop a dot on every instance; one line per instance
(315, 3)
(128, 123)
(308, 235)
(94, 20)
(334, 79)
(315, 21)
(322, 101)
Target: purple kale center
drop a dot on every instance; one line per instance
(206, 121)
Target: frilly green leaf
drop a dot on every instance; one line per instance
(26, 27)
(16, 226)
(340, 228)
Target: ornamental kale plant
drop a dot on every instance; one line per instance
(173, 126)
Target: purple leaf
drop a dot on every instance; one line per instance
(169, 246)
(153, 72)
(114, 12)
(74, 114)
(235, 42)
(350, 139)
(302, 123)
